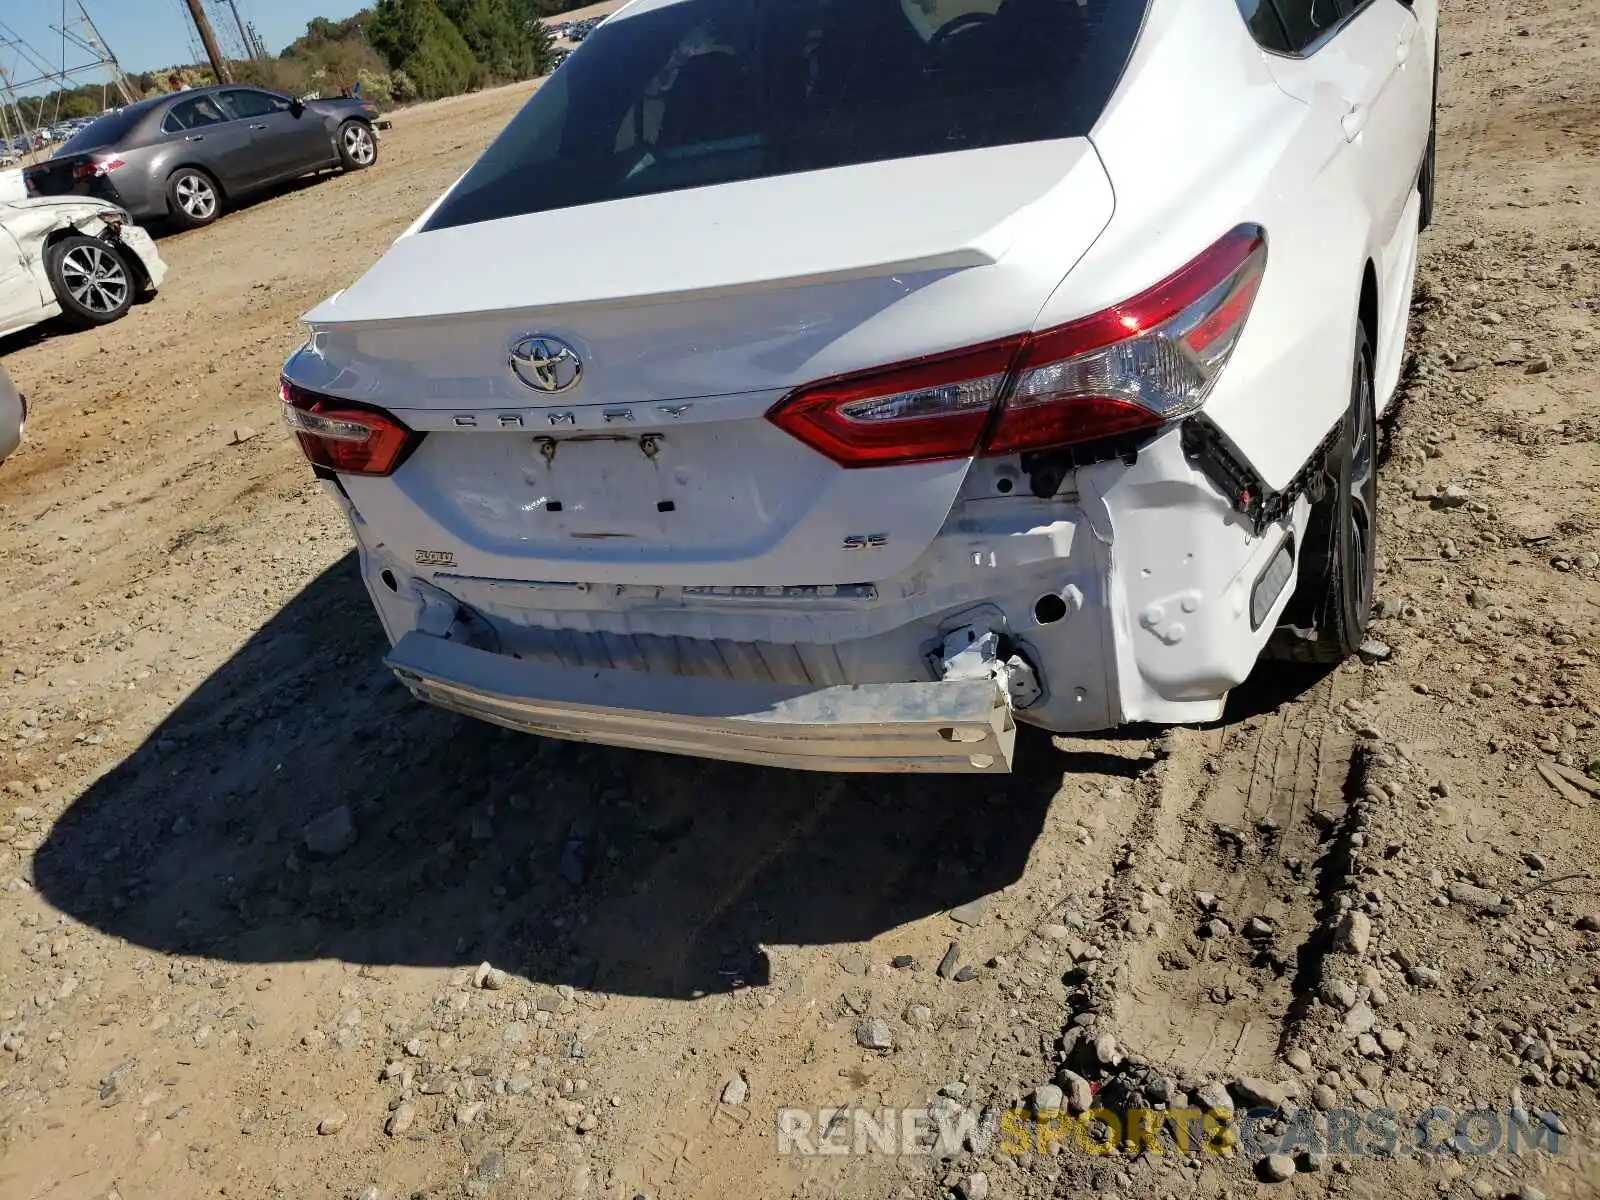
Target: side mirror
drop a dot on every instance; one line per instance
(296, 107)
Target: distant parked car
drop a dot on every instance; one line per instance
(186, 155)
(13, 415)
(81, 259)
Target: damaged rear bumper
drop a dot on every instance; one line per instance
(954, 726)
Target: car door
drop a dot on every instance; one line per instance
(213, 140)
(20, 299)
(1366, 63)
(285, 145)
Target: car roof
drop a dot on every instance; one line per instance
(153, 102)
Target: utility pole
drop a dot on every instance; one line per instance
(244, 34)
(98, 44)
(208, 38)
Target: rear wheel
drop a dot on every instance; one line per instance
(358, 148)
(1326, 620)
(91, 280)
(193, 198)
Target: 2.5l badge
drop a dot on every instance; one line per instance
(435, 558)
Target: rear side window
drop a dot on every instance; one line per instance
(1305, 21)
(193, 114)
(103, 131)
(1265, 26)
(690, 93)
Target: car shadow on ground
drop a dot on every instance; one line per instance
(161, 228)
(45, 331)
(58, 327)
(629, 872)
(1271, 685)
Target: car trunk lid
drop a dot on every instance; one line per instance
(57, 176)
(692, 313)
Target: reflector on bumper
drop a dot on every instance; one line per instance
(963, 726)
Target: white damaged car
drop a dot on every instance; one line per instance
(835, 385)
(80, 259)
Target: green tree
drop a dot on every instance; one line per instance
(322, 32)
(376, 86)
(401, 86)
(506, 44)
(417, 38)
(544, 48)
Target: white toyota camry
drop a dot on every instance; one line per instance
(835, 383)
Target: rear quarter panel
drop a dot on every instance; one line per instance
(1199, 138)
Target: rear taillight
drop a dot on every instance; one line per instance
(352, 439)
(1129, 369)
(925, 411)
(93, 168)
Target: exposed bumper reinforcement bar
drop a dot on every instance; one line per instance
(960, 726)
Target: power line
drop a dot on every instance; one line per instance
(82, 50)
(196, 50)
(245, 43)
(208, 38)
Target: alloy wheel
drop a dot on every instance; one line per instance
(96, 278)
(358, 142)
(197, 197)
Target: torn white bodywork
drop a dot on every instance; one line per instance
(1071, 636)
(27, 228)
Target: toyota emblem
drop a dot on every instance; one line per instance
(545, 364)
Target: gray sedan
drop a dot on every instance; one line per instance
(13, 412)
(185, 155)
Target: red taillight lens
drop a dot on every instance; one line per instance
(352, 439)
(1131, 368)
(95, 167)
(925, 411)
(1138, 364)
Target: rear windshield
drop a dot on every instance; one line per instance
(689, 93)
(102, 131)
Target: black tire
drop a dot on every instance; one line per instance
(194, 198)
(358, 146)
(92, 280)
(1326, 618)
(1426, 181)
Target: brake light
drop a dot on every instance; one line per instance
(1132, 368)
(342, 436)
(925, 411)
(94, 168)
(1139, 364)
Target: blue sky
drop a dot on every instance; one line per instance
(146, 34)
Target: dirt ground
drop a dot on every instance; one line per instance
(248, 883)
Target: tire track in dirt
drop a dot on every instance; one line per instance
(796, 1045)
(1244, 828)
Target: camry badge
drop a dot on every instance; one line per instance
(545, 364)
